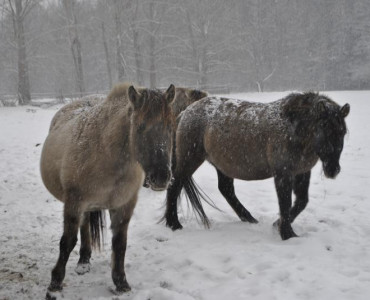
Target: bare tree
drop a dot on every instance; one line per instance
(213, 38)
(154, 15)
(137, 47)
(69, 6)
(107, 57)
(120, 60)
(19, 9)
(217, 45)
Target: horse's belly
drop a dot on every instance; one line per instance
(240, 160)
(241, 167)
(114, 192)
(50, 166)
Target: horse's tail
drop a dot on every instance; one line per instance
(97, 228)
(194, 194)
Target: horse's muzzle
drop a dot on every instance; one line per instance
(157, 181)
(331, 170)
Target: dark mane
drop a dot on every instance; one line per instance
(304, 110)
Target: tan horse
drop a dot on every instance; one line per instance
(253, 141)
(95, 157)
(90, 231)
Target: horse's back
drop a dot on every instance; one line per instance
(73, 110)
(234, 134)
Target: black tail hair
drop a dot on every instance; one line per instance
(97, 228)
(194, 194)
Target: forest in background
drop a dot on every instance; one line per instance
(63, 47)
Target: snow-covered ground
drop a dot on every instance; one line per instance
(232, 260)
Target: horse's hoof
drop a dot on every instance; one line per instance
(249, 219)
(52, 295)
(119, 290)
(82, 268)
(287, 234)
(174, 225)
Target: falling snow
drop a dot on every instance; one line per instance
(232, 260)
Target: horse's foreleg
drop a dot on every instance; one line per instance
(301, 184)
(173, 193)
(226, 187)
(284, 186)
(83, 265)
(72, 216)
(120, 219)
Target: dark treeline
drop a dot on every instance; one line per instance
(238, 45)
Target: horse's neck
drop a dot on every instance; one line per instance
(305, 140)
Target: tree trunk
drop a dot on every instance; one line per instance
(203, 60)
(24, 95)
(195, 57)
(152, 69)
(75, 44)
(137, 49)
(120, 62)
(109, 71)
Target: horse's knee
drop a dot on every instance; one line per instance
(67, 243)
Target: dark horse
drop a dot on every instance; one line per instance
(253, 141)
(95, 157)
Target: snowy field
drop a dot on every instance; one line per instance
(232, 260)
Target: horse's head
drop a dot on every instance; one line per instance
(329, 134)
(185, 97)
(151, 133)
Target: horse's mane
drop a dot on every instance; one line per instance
(303, 105)
(305, 109)
(119, 92)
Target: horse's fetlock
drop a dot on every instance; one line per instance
(119, 280)
(286, 231)
(55, 286)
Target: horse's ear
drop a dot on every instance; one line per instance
(170, 94)
(135, 98)
(344, 111)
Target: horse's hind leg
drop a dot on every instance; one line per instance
(72, 216)
(301, 184)
(226, 187)
(284, 187)
(83, 265)
(120, 219)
